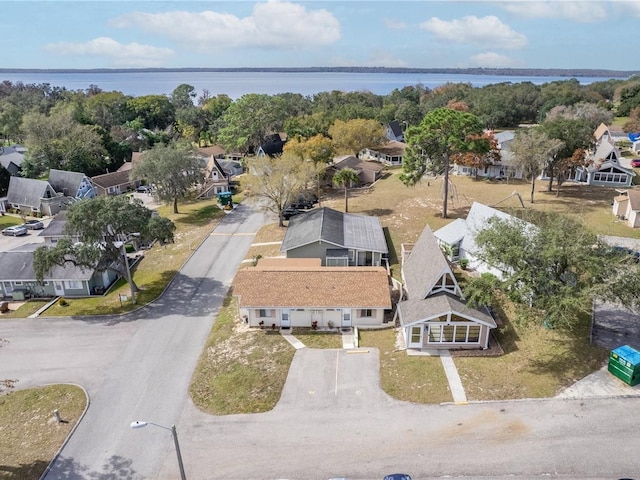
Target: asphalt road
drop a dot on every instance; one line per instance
(135, 367)
(332, 421)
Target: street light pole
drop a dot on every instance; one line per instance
(123, 249)
(174, 433)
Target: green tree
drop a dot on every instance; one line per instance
(102, 226)
(107, 109)
(443, 133)
(481, 291)
(173, 171)
(346, 178)
(154, 111)
(575, 134)
(354, 135)
(183, 96)
(279, 180)
(557, 266)
(248, 121)
(532, 149)
(58, 141)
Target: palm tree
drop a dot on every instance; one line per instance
(345, 177)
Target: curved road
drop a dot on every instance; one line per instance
(136, 366)
(332, 421)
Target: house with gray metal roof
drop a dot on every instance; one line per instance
(71, 184)
(33, 197)
(18, 277)
(11, 158)
(459, 237)
(434, 314)
(337, 238)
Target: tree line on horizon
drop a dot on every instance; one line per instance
(95, 131)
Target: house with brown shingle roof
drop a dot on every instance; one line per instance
(285, 293)
(434, 314)
(391, 153)
(368, 172)
(626, 206)
(114, 183)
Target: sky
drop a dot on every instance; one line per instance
(278, 33)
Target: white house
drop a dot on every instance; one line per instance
(626, 206)
(284, 293)
(434, 314)
(458, 237)
(504, 168)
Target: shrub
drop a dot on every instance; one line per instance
(62, 302)
(464, 263)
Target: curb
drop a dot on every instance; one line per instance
(66, 440)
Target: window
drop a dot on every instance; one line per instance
(264, 313)
(366, 312)
(74, 284)
(17, 283)
(434, 333)
(415, 335)
(474, 333)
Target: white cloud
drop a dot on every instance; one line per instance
(393, 24)
(472, 30)
(577, 11)
(273, 24)
(492, 60)
(121, 55)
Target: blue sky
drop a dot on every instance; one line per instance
(278, 33)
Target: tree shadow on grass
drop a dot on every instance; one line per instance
(116, 468)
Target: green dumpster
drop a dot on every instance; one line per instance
(624, 363)
(225, 198)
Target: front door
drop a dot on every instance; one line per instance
(59, 288)
(346, 318)
(415, 337)
(285, 321)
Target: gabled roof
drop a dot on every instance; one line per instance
(12, 154)
(65, 182)
(112, 179)
(56, 225)
(28, 191)
(215, 150)
(125, 167)
(313, 287)
(18, 265)
(391, 148)
(213, 164)
(349, 161)
(416, 311)
(424, 266)
(504, 136)
(395, 128)
(601, 131)
(345, 230)
(477, 219)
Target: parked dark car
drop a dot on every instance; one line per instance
(397, 476)
(289, 212)
(302, 204)
(15, 231)
(33, 225)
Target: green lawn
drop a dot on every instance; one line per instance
(159, 265)
(29, 435)
(240, 370)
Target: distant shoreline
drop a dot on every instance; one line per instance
(507, 72)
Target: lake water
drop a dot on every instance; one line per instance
(236, 84)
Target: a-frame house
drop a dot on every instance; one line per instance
(434, 314)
